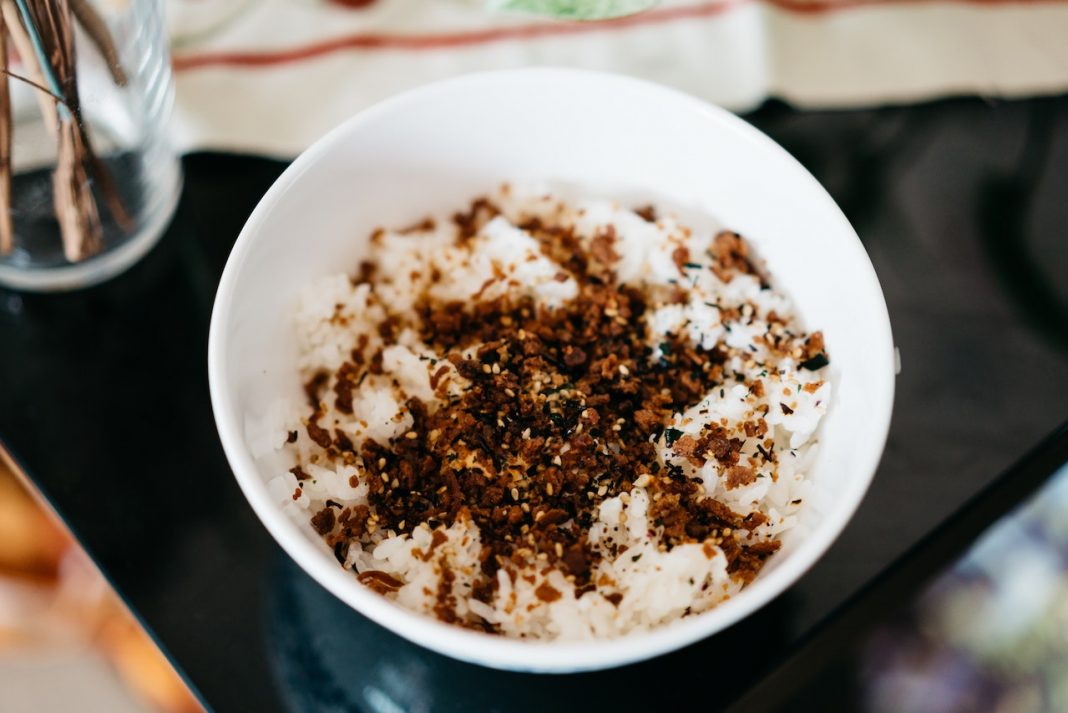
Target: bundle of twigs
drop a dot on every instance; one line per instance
(42, 32)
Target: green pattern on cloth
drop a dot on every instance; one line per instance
(575, 9)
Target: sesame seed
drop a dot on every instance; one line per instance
(624, 370)
(557, 461)
(515, 494)
(549, 488)
(381, 462)
(486, 369)
(411, 435)
(559, 549)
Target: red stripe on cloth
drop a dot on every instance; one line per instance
(437, 41)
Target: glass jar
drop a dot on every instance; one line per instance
(125, 93)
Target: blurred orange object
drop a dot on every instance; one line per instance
(51, 595)
(30, 543)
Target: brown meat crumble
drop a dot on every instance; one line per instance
(563, 409)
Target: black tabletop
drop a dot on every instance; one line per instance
(104, 403)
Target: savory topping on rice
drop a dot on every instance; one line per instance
(548, 420)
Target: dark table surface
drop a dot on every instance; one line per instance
(104, 403)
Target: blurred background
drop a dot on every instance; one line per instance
(992, 632)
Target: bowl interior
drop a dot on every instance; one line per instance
(437, 147)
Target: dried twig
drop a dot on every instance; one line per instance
(94, 26)
(7, 241)
(24, 49)
(62, 19)
(77, 228)
(27, 80)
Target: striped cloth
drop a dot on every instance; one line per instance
(270, 76)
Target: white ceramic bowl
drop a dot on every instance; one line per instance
(435, 148)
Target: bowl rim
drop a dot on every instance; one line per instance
(501, 652)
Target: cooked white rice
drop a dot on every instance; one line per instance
(656, 585)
